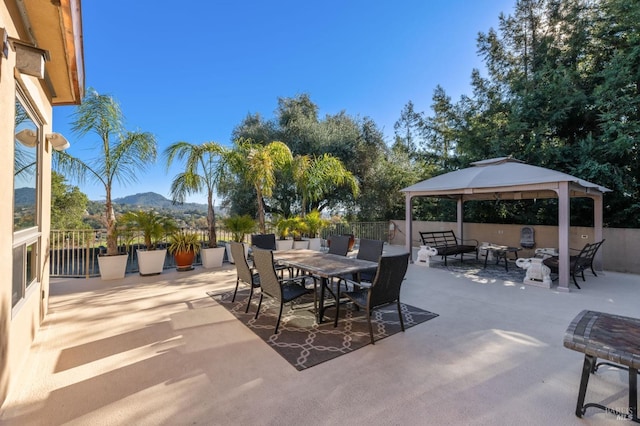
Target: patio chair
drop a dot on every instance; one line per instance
(264, 241)
(281, 290)
(268, 242)
(577, 264)
(384, 290)
(245, 273)
(339, 245)
(370, 250)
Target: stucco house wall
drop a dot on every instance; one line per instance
(54, 28)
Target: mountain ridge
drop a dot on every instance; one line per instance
(155, 200)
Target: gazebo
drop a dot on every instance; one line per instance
(506, 178)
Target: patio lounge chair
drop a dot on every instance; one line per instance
(577, 264)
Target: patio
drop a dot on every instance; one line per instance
(158, 350)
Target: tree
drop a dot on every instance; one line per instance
(409, 128)
(68, 204)
(317, 177)
(257, 163)
(204, 168)
(123, 154)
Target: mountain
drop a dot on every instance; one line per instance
(24, 196)
(157, 201)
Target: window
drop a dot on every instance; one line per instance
(26, 177)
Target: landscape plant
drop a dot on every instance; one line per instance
(204, 167)
(239, 226)
(315, 223)
(154, 227)
(257, 164)
(122, 155)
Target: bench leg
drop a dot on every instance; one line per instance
(633, 395)
(587, 368)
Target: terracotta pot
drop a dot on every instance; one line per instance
(184, 260)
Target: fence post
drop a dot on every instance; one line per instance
(86, 257)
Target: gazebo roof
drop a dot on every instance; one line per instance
(505, 178)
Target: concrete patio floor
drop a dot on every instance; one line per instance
(157, 350)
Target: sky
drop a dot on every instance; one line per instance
(193, 70)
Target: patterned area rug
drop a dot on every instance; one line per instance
(304, 343)
(475, 270)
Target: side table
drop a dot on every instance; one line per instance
(500, 252)
(613, 338)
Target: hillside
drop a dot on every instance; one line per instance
(156, 201)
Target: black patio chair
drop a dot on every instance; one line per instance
(339, 245)
(264, 241)
(577, 264)
(384, 290)
(244, 272)
(370, 250)
(282, 290)
(268, 242)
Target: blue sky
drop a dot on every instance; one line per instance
(193, 70)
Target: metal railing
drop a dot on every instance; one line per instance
(74, 253)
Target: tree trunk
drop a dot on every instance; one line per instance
(112, 237)
(211, 221)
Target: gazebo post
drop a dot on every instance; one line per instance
(408, 216)
(597, 229)
(460, 215)
(563, 236)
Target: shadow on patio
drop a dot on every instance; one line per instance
(158, 350)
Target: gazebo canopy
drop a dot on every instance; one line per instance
(506, 178)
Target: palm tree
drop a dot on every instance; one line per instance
(204, 167)
(318, 176)
(123, 154)
(258, 164)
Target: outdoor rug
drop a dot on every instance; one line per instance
(304, 343)
(475, 270)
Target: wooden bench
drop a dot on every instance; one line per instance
(448, 244)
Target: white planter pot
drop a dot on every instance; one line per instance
(151, 262)
(230, 256)
(315, 244)
(301, 245)
(284, 244)
(212, 257)
(112, 267)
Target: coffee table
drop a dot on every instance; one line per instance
(500, 252)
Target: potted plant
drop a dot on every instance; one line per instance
(124, 154)
(298, 229)
(153, 227)
(184, 246)
(283, 227)
(239, 226)
(204, 169)
(315, 223)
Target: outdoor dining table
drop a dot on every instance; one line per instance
(324, 267)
